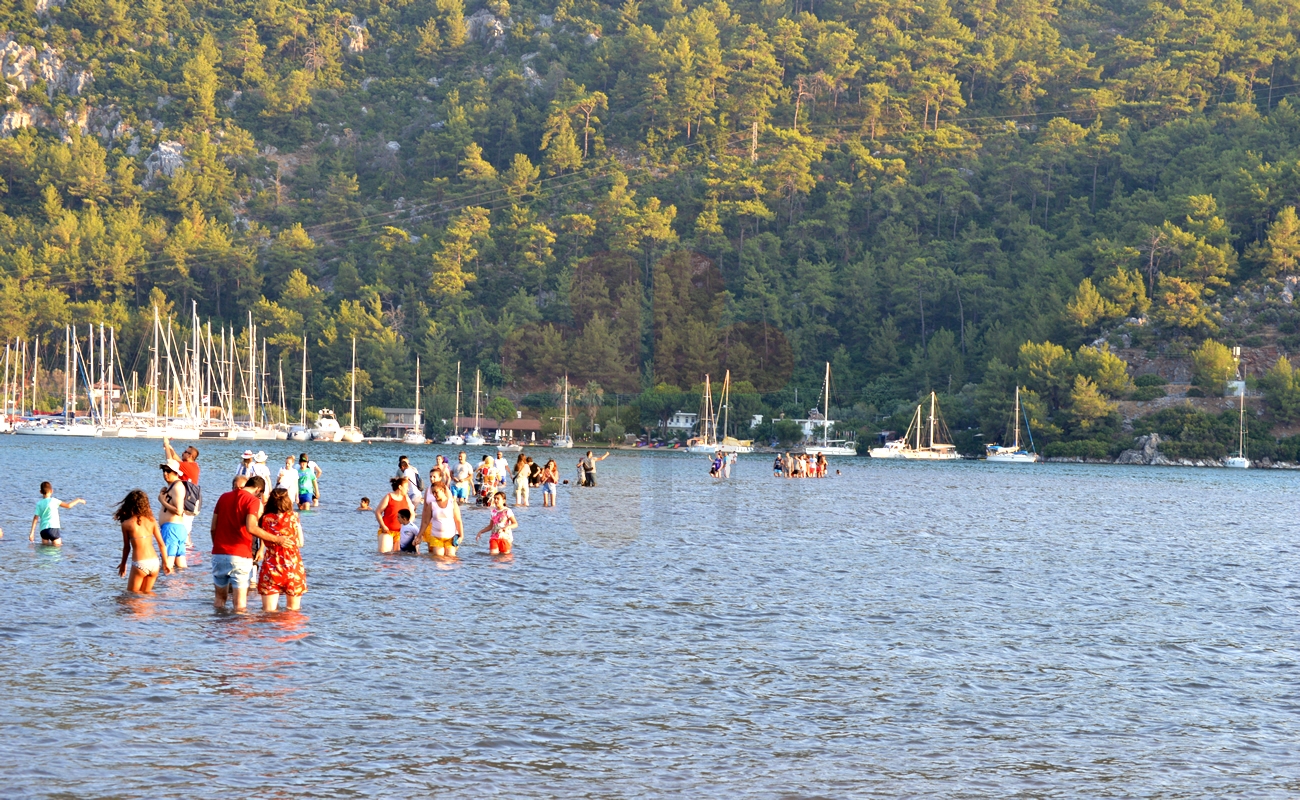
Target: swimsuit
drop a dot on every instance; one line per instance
(173, 536)
(148, 566)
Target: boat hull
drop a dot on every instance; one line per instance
(1018, 457)
(1236, 462)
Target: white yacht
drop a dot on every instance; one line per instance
(327, 427)
(352, 434)
(1239, 461)
(1015, 454)
(913, 447)
(416, 434)
(828, 446)
(564, 441)
(455, 438)
(475, 438)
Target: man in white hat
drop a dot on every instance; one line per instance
(260, 468)
(246, 469)
(171, 522)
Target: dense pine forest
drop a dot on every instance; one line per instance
(958, 197)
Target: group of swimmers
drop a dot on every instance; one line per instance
(799, 465)
(722, 464)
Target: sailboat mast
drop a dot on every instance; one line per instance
(455, 422)
(932, 400)
(419, 418)
(564, 421)
(477, 382)
(1016, 420)
(303, 412)
(726, 402)
(826, 405)
(352, 407)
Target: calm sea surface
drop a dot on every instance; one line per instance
(965, 630)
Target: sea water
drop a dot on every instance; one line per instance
(955, 629)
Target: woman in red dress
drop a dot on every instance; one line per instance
(283, 571)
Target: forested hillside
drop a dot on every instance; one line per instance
(928, 195)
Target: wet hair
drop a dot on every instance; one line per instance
(279, 502)
(396, 483)
(256, 484)
(135, 504)
(404, 514)
(365, 501)
(46, 487)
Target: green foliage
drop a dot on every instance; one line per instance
(500, 409)
(1212, 367)
(1082, 448)
(1149, 380)
(1281, 385)
(1147, 393)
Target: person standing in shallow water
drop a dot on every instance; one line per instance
(282, 571)
(234, 526)
(140, 533)
(172, 499)
(47, 516)
(588, 465)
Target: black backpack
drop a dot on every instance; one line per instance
(193, 498)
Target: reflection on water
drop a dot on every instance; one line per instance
(902, 629)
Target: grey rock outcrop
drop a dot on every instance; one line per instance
(165, 160)
(1146, 452)
(354, 40)
(22, 66)
(484, 26)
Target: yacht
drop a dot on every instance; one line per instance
(327, 427)
(475, 438)
(923, 440)
(564, 441)
(1239, 461)
(352, 434)
(1015, 454)
(828, 446)
(707, 441)
(416, 434)
(455, 438)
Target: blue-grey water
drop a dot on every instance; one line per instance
(963, 630)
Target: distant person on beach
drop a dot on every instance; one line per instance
(440, 521)
(550, 481)
(282, 570)
(140, 533)
(172, 501)
(778, 467)
(365, 504)
(390, 526)
(234, 526)
(502, 526)
(522, 471)
(589, 466)
(46, 518)
(307, 488)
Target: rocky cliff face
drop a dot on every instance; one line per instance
(1146, 452)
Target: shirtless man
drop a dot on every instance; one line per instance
(462, 479)
(172, 499)
(139, 534)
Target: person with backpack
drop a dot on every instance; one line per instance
(414, 482)
(171, 522)
(189, 464)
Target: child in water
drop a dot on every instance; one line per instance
(47, 516)
(502, 526)
(408, 533)
(140, 532)
(365, 504)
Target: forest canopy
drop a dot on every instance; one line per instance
(950, 196)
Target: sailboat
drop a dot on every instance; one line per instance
(416, 434)
(1239, 461)
(69, 426)
(829, 446)
(1014, 454)
(300, 432)
(913, 446)
(455, 438)
(475, 438)
(707, 441)
(564, 441)
(730, 444)
(352, 433)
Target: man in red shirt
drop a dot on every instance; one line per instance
(234, 525)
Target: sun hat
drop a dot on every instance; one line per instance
(247, 454)
(171, 465)
(260, 457)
